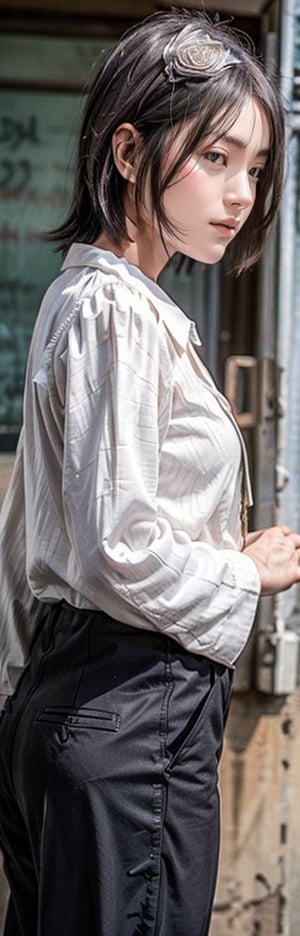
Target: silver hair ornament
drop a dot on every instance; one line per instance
(190, 55)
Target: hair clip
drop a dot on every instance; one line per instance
(189, 55)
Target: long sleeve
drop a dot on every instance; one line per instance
(124, 553)
(127, 483)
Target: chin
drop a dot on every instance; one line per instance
(208, 259)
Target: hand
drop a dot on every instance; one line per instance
(276, 553)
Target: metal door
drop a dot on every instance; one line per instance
(264, 386)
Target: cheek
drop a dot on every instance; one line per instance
(188, 187)
(248, 211)
(189, 175)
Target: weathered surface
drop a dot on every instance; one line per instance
(258, 888)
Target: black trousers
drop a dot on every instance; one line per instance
(109, 805)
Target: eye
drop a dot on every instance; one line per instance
(256, 172)
(217, 159)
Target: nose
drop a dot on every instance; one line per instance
(240, 191)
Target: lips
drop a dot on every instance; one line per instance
(228, 228)
(227, 222)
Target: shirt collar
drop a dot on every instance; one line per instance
(177, 322)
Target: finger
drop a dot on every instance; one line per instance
(295, 539)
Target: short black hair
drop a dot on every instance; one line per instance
(132, 86)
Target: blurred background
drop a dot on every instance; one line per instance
(250, 328)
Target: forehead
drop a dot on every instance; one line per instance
(251, 128)
(250, 125)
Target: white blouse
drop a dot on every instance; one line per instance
(125, 494)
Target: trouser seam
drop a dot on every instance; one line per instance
(153, 874)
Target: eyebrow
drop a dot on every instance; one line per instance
(241, 144)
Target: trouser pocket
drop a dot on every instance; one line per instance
(205, 726)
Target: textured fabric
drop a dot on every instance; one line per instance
(130, 467)
(109, 805)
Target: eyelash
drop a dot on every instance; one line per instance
(255, 173)
(213, 153)
(258, 170)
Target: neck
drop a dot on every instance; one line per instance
(143, 249)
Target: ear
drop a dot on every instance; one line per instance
(126, 143)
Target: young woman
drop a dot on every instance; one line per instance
(129, 587)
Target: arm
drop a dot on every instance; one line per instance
(125, 556)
